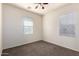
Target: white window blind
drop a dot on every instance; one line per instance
(28, 25)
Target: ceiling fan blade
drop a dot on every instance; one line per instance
(45, 3)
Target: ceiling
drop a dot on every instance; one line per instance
(31, 7)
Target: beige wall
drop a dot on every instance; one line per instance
(51, 27)
(0, 28)
(13, 34)
(13, 28)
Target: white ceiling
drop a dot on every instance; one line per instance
(49, 7)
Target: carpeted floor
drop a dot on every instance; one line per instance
(39, 48)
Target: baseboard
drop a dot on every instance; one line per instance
(23, 44)
(46, 42)
(61, 46)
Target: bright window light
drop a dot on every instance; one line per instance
(28, 25)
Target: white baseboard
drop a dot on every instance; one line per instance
(21, 44)
(61, 45)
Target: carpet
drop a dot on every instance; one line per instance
(39, 48)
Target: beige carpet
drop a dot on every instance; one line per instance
(39, 48)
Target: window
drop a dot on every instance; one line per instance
(28, 25)
(67, 24)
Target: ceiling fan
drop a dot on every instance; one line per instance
(40, 5)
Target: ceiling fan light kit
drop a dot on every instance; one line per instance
(41, 5)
